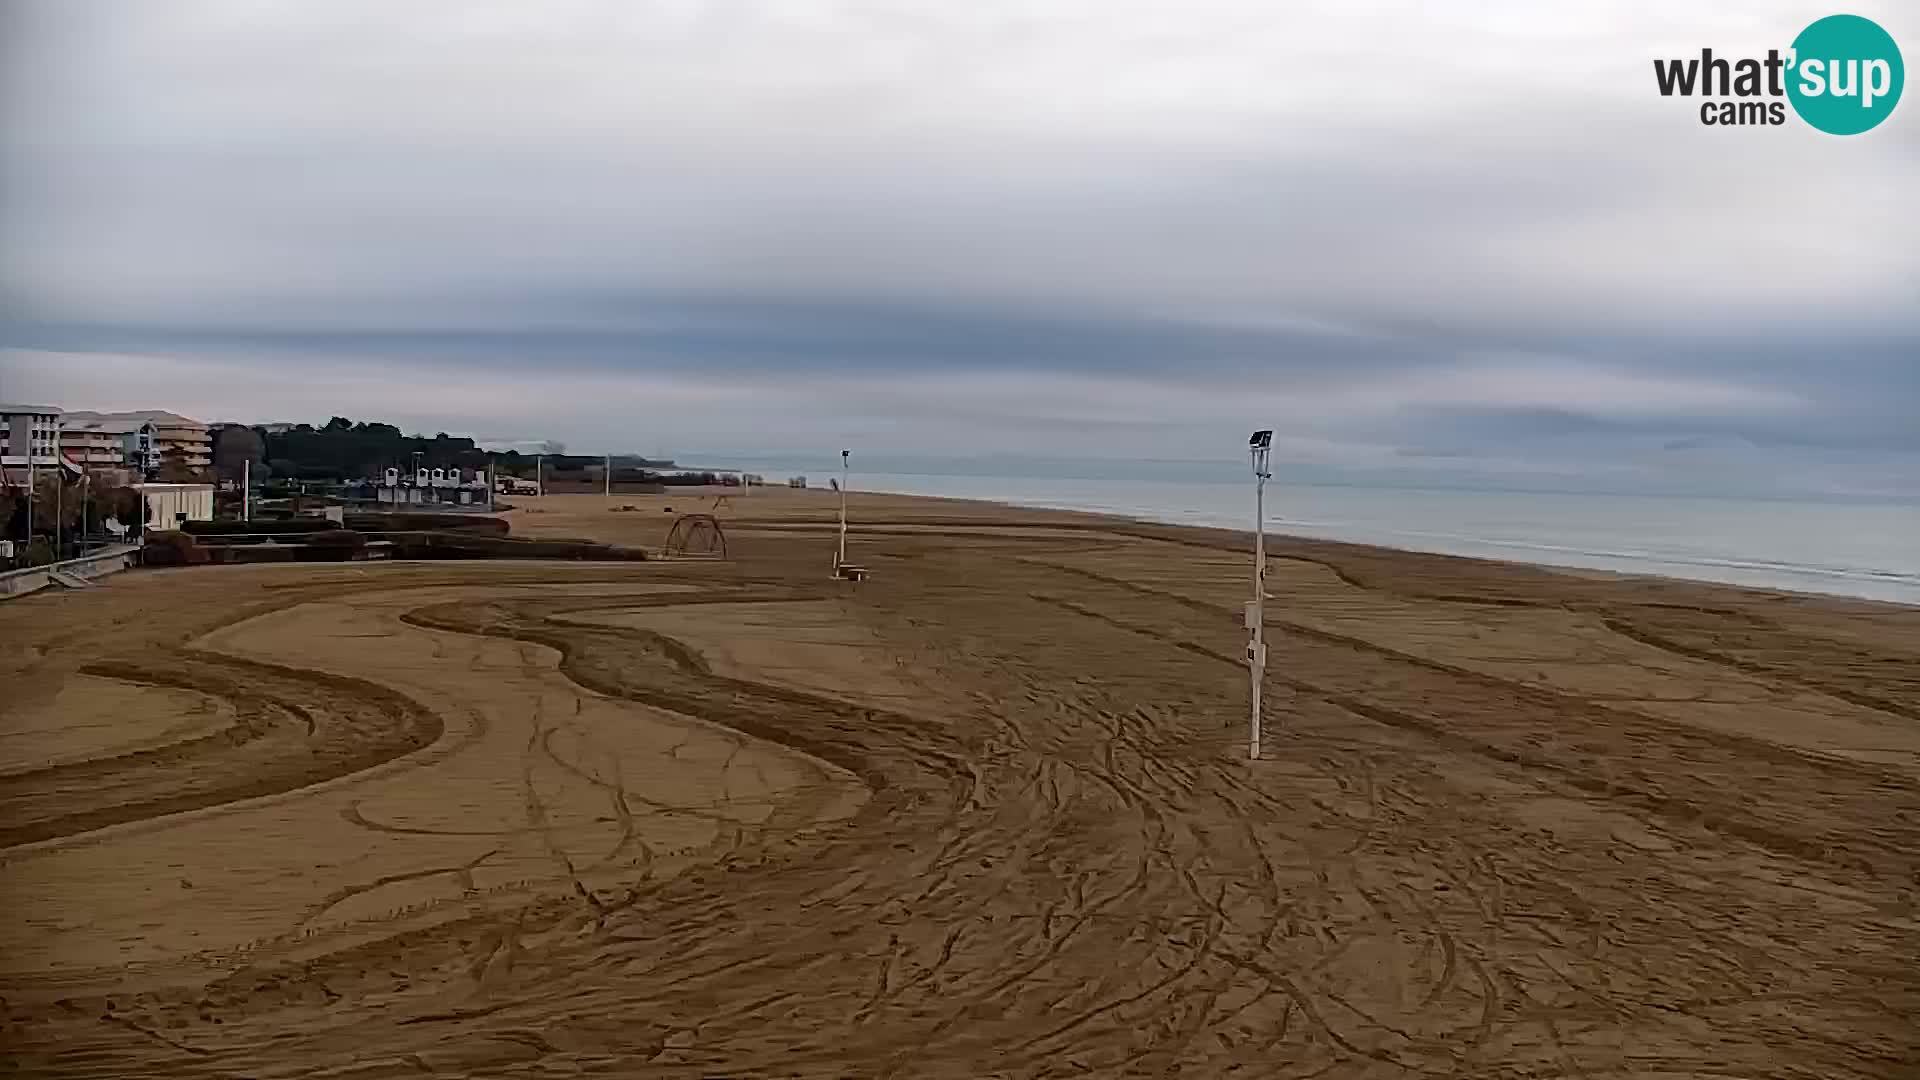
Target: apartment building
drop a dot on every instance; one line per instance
(96, 444)
(29, 433)
(137, 442)
(144, 438)
(172, 431)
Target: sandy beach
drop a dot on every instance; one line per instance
(986, 813)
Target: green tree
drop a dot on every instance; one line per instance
(115, 501)
(55, 507)
(233, 447)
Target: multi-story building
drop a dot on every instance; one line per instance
(95, 445)
(145, 438)
(138, 442)
(29, 433)
(172, 432)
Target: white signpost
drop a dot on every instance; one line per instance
(1256, 618)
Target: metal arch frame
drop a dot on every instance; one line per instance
(683, 529)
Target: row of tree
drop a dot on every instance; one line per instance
(341, 449)
(345, 449)
(64, 508)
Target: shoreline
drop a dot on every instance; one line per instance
(1279, 541)
(1872, 585)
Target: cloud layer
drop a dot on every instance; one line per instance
(1093, 227)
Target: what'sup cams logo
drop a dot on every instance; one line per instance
(1843, 75)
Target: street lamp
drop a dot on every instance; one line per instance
(1257, 448)
(840, 559)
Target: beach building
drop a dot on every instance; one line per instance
(169, 505)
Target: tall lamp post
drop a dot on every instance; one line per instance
(840, 558)
(1257, 448)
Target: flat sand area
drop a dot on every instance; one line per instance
(986, 813)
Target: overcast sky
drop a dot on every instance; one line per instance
(1406, 235)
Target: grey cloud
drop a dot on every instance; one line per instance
(1183, 196)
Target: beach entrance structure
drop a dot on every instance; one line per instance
(1257, 448)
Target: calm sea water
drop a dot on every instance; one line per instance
(1847, 547)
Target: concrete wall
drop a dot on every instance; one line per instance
(98, 564)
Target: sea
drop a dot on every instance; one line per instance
(1849, 546)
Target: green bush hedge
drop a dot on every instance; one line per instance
(236, 528)
(444, 545)
(407, 520)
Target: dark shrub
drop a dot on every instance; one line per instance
(168, 547)
(338, 538)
